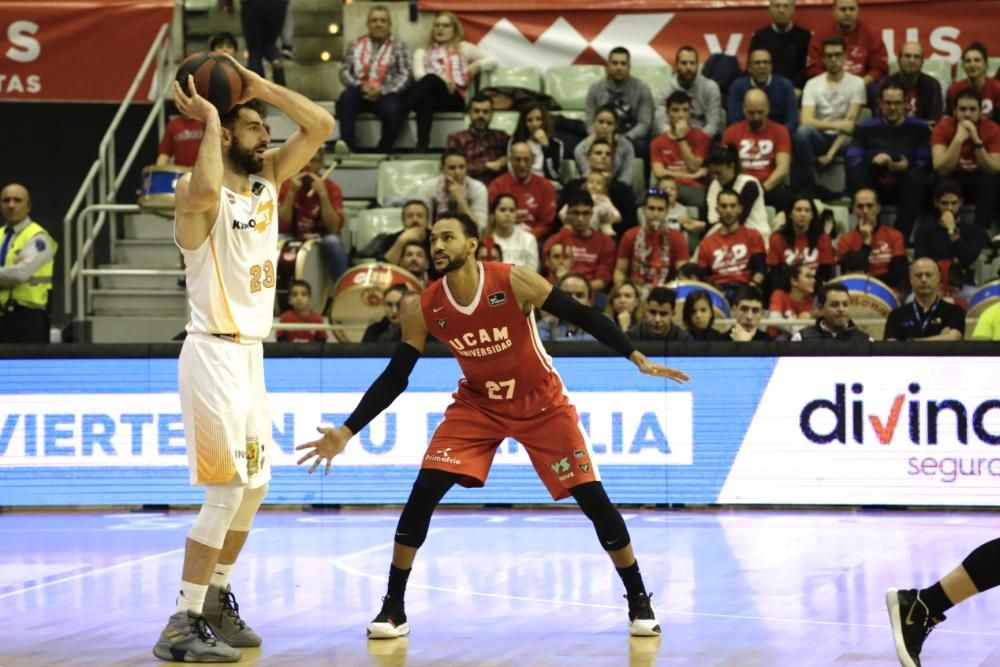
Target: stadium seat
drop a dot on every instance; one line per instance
(568, 85)
(397, 179)
(657, 77)
(940, 69)
(516, 77)
(374, 221)
(502, 120)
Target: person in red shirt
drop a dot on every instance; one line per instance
(795, 298)
(867, 56)
(681, 150)
(650, 255)
(871, 246)
(310, 206)
(966, 148)
(802, 241)
(483, 313)
(180, 142)
(593, 252)
(536, 198)
(299, 294)
(734, 256)
(764, 147)
(974, 62)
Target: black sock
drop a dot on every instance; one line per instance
(397, 582)
(632, 579)
(936, 600)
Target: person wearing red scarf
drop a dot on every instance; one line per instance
(375, 70)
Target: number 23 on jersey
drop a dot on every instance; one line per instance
(261, 275)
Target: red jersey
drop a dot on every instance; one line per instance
(654, 256)
(783, 303)
(593, 256)
(865, 55)
(990, 92)
(505, 367)
(728, 255)
(887, 243)
(665, 150)
(307, 212)
(944, 132)
(778, 251)
(759, 148)
(536, 201)
(301, 335)
(181, 140)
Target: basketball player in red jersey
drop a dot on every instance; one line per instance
(483, 313)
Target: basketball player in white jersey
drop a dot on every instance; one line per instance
(226, 226)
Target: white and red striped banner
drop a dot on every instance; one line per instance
(548, 33)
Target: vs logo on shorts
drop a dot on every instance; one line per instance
(496, 299)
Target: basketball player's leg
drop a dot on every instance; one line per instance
(560, 453)
(461, 451)
(209, 388)
(914, 613)
(221, 609)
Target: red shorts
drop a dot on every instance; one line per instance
(467, 440)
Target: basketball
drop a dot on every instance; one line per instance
(215, 79)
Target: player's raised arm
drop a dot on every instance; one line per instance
(315, 123)
(380, 395)
(530, 287)
(198, 192)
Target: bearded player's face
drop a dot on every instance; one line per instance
(450, 247)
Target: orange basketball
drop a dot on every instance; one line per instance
(215, 79)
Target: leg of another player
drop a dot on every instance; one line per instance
(914, 613)
(411, 531)
(614, 537)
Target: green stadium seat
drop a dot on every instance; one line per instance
(657, 77)
(502, 120)
(568, 85)
(397, 179)
(940, 69)
(517, 77)
(374, 221)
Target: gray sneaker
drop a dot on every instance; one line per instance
(187, 639)
(223, 615)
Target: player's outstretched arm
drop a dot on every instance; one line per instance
(380, 395)
(530, 287)
(315, 123)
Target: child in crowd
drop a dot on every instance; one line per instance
(299, 294)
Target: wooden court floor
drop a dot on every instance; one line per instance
(501, 588)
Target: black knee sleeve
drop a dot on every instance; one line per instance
(427, 492)
(608, 522)
(983, 565)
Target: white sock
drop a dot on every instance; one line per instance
(191, 598)
(220, 575)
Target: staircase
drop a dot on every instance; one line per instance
(140, 309)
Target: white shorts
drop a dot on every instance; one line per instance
(227, 427)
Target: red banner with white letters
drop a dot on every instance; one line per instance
(548, 33)
(76, 50)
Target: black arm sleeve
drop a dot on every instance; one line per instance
(590, 320)
(389, 385)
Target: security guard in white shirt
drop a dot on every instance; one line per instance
(26, 263)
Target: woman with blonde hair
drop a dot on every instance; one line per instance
(625, 305)
(443, 72)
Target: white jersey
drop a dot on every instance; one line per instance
(231, 276)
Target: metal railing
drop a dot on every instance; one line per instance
(93, 207)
